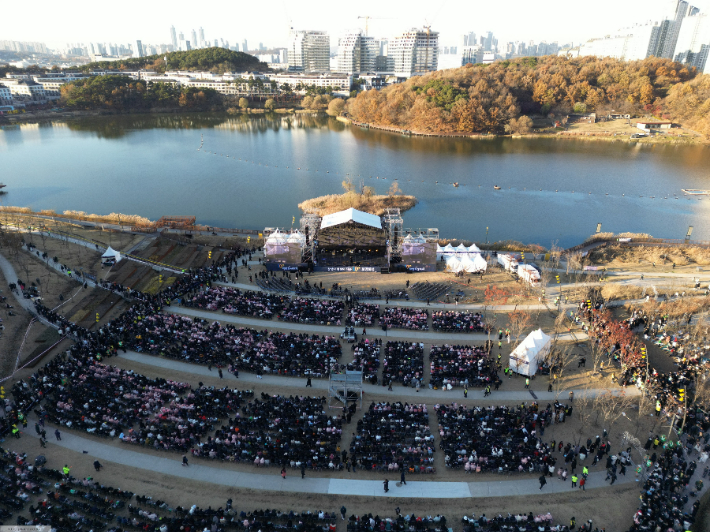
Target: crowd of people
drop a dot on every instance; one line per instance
(403, 362)
(664, 497)
(405, 318)
(454, 321)
(244, 349)
(235, 301)
(278, 430)
(313, 311)
(366, 358)
(362, 315)
(394, 437)
(461, 365)
(401, 523)
(494, 438)
(182, 423)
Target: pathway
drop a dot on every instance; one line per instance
(322, 384)
(375, 331)
(327, 486)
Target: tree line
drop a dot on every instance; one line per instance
(217, 60)
(480, 98)
(122, 93)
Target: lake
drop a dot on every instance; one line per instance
(150, 165)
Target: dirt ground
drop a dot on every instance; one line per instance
(642, 258)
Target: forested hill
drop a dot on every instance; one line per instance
(218, 60)
(478, 98)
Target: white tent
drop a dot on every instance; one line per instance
(453, 265)
(111, 254)
(526, 357)
(276, 238)
(449, 248)
(466, 263)
(474, 249)
(297, 238)
(461, 249)
(439, 252)
(479, 263)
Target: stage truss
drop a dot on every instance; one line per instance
(394, 226)
(343, 387)
(310, 224)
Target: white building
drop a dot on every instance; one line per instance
(138, 49)
(471, 54)
(173, 38)
(694, 42)
(309, 51)
(341, 82)
(28, 91)
(637, 42)
(5, 95)
(357, 53)
(414, 52)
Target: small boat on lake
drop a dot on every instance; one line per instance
(695, 191)
(496, 187)
(456, 185)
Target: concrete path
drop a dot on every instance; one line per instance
(377, 332)
(271, 480)
(423, 395)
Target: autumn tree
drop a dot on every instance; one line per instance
(269, 104)
(519, 126)
(336, 106)
(244, 103)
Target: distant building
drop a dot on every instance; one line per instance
(5, 95)
(341, 82)
(138, 49)
(357, 53)
(309, 51)
(27, 91)
(469, 39)
(653, 126)
(637, 42)
(414, 52)
(693, 44)
(472, 54)
(173, 38)
(245, 46)
(201, 36)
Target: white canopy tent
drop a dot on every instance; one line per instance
(439, 252)
(461, 249)
(277, 238)
(474, 249)
(297, 238)
(526, 357)
(449, 248)
(480, 264)
(111, 254)
(453, 264)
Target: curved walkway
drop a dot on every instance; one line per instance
(325, 486)
(331, 330)
(322, 384)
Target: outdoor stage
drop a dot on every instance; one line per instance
(350, 241)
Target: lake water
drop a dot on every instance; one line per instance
(150, 165)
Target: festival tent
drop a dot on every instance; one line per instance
(526, 357)
(480, 264)
(474, 249)
(461, 249)
(297, 238)
(111, 254)
(439, 252)
(277, 238)
(449, 249)
(467, 264)
(453, 265)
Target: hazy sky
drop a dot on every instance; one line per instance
(268, 22)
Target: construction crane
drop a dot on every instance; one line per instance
(426, 58)
(367, 22)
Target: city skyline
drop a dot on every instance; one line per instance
(547, 20)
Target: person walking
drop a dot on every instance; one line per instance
(542, 480)
(527, 382)
(343, 511)
(283, 472)
(65, 470)
(387, 485)
(37, 429)
(220, 373)
(42, 442)
(184, 461)
(571, 397)
(574, 481)
(16, 432)
(97, 465)
(303, 470)
(58, 435)
(465, 392)
(401, 477)
(549, 387)
(582, 482)
(309, 384)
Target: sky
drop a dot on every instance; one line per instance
(82, 21)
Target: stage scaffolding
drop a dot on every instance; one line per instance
(310, 224)
(344, 387)
(394, 225)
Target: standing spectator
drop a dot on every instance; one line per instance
(387, 485)
(184, 460)
(97, 465)
(343, 511)
(543, 481)
(58, 435)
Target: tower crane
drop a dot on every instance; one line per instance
(367, 22)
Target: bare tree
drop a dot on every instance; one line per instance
(611, 407)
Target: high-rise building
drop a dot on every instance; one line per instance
(693, 44)
(682, 9)
(309, 51)
(181, 42)
(415, 52)
(469, 39)
(357, 53)
(201, 36)
(188, 47)
(138, 49)
(193, 39)
(173, 38)
(245, 46)
(471, 54)
(629, 44)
